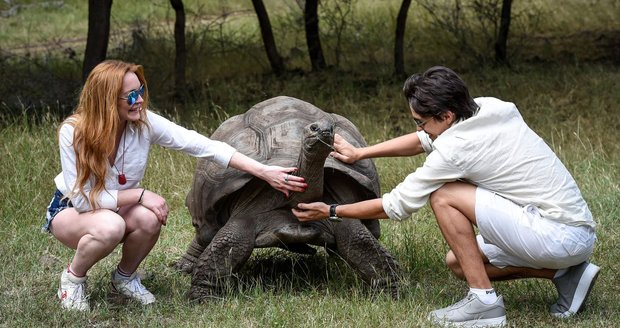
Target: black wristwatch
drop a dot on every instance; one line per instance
(332, 214)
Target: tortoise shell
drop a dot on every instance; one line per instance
(269, 132)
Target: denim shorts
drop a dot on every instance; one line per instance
(58, 203)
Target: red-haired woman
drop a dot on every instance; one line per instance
(99, 202)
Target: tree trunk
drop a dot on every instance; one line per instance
(98, 34)
(277, 64)
(401, 23)
(311, 19)
(502, 37)
(180, 49)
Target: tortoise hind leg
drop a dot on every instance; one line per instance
(214, 270)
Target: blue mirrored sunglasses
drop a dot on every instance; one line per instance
(132, 96)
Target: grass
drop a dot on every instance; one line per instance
(571, 102)
(280, 289)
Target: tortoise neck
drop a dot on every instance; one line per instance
(310, 166)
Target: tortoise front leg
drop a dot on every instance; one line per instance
(204, 236)
(188, 260)
(376, 266)
(214, 270)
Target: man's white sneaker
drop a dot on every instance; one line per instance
(132, 288)
(471, 312)
(72, 292)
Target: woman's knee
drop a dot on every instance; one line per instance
(110, 228)
(145, 220)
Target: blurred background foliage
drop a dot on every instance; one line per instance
(42, 45)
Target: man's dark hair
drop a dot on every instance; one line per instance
(438, 90)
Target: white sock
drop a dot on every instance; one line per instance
(486, 296)
(71, 272)
(73, 278)
(121, 275)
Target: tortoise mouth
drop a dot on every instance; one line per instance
(319, 135)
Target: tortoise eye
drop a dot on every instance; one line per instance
(314, 127)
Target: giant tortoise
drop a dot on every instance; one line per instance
(233, 212)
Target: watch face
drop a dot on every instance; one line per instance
(334, 219)
(332, 213)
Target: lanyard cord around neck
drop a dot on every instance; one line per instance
(121, 174)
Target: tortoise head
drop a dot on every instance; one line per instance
(318, 139)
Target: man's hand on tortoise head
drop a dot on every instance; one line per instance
(344, 151)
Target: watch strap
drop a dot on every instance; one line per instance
(332, 213)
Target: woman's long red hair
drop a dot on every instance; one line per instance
(96, 121)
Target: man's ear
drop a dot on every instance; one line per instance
(449, 117)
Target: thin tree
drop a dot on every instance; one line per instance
(502, 36)
(313, 40)
(98, 34)
(180, 49)
(277, 64)
(401, 23)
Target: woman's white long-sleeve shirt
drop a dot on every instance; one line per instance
(135, 149)
(496, 150)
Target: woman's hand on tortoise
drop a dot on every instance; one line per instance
(282, 179)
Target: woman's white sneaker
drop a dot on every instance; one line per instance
(132, 288)
(72, 292)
